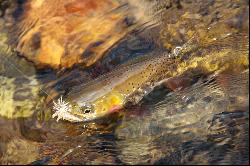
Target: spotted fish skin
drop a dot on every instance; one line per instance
(129, 83)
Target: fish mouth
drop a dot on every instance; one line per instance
(63, 110)
(67, 116)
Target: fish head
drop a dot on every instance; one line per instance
(73, 111)
(80, 111)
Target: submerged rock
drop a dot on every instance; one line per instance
(18, 99)
(19, 151)
(62, 33)
(196, 16)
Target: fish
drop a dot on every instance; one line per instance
(131, 81)
(104, 94)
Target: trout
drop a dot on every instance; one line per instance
(131, 81)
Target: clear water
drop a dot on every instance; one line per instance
(205, 123)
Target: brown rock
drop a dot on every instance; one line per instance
(61, 33)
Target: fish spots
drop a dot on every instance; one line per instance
(172, 67)
(130, 85)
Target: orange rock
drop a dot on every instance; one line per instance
(61, 33)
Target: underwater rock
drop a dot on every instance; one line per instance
(16, 147)
(196, 16)
(19, 88)
(62, 33)
(18, 100)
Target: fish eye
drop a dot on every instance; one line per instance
(87, 110)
